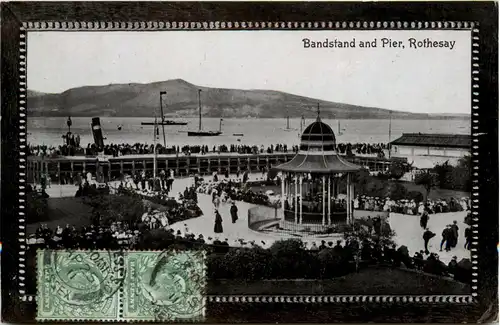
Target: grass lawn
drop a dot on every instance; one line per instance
(370, 281)
(62, 211)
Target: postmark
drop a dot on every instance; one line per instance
(78, 285)
(165, 286)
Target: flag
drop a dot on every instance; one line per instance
(163, 93)
(69, 123)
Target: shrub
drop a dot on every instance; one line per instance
(36, 208)
(397, 170)
(290, 260)
(396, 191)
(332, 264)
(428, 181)
(247, 263)
(415, 195)
(155, 239)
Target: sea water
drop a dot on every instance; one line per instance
(49, 130)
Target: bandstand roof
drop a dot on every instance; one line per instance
(318, 163)
(317, 153)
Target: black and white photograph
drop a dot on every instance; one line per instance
(338, 156)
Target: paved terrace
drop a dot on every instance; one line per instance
(407, 227)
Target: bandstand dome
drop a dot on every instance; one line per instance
(317, 153)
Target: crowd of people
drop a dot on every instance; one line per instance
(229, 191)
(409, 206)
(362, 148)
(352, 251)
(74, 148)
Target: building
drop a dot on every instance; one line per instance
(425, 150)
(311, 183)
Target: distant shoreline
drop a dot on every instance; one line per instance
(309, 116)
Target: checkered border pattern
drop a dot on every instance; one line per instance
(100, 26)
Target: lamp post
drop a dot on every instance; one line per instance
(163, 118)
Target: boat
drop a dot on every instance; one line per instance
(288, 125)
(165, 122)
(200, 132)
(238, 134)
(203, 133)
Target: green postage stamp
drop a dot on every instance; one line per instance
(121, 285)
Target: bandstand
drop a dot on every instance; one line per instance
(311, 183)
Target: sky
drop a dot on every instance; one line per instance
(421, 80)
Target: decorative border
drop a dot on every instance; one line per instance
(101, 26)
(475, 158)
(310, 299)
(22, 138)
(222, 25)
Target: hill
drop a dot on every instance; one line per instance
(140, 100)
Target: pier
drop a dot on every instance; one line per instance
(63, 169)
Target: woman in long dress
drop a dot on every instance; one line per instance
(218, 223)
(216, 202)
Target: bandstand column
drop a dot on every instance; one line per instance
(329, 200)
(295, 203)
(323, 196)
(300, 198)
(283, 178)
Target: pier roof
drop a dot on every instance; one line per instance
(434, 140)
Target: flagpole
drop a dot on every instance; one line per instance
(154, 147)
(390, 126)
(163, 118)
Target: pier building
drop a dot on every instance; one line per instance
(63, 169)
(425, 150)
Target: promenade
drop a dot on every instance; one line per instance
(63, 169)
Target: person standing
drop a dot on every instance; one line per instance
(454, 228)
(234, 212)
(446, 238)
(143, 180)
(218, 223)
(163, 177)
(424, 219)
(216, 202)
(468, 237)
(427, 237)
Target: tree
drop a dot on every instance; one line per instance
(428, 181)
(397, 170)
